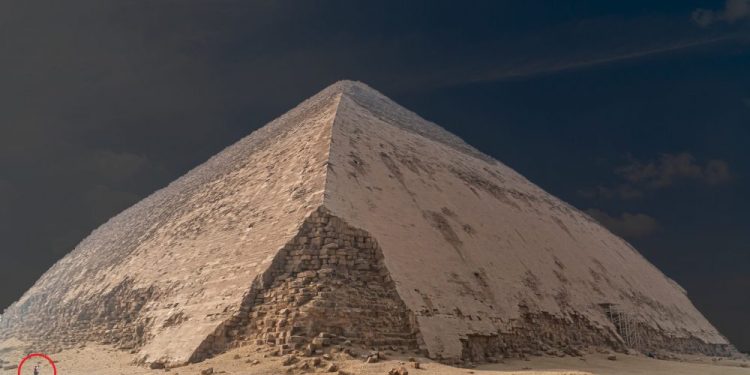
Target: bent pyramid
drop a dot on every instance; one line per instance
(351, 218)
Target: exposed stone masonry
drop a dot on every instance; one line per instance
(655, 341)
(108, 320)
(327, 286)
(201, 266)
(540, 333)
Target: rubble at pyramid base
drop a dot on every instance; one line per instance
(352, 223)
(329, 288)
(113, 320)
(541, 333)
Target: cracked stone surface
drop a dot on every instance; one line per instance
(469, 258)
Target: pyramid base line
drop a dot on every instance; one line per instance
(653, 341)
(327, 288)
(541, 333)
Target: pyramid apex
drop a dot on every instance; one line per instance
(351, 87)
(347, 83)
(382, 107)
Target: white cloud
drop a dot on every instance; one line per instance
(734, 10)
(670, 168)
(640, 177)
(716, 172)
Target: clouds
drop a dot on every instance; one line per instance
(105, 101)
(627, 225)
(639, 178)
(540, 66)
(672, 168)
(734, 10)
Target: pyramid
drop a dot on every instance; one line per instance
(352, 221)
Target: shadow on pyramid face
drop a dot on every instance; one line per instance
(240, 251)
(327, 286)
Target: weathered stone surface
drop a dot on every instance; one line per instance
(352, 221)
(289, 360)
(480, 251)
(165, 274)
(313, 300)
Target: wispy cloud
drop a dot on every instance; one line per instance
(639, 177)
(627, 225)
(570, 63)
(733, 11)
(670, 168)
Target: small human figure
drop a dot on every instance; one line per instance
(36, 370)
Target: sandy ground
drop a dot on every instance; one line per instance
(106, 361)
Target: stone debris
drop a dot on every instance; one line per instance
(398, 371)
(304, 365)
(289, 360)
(329, 289)
(350, 224)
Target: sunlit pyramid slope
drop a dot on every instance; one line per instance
(352, 220)
(169, 272)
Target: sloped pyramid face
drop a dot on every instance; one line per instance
(352, 219)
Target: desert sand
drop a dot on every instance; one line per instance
(102, 360)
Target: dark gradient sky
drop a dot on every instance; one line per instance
(636, 111)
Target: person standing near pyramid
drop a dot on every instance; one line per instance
(36, 370)
(473, 260)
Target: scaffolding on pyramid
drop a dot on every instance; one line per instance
(626, 326)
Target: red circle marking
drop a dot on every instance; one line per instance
(51, 362)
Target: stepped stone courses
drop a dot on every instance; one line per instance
(327, 286)
(352, 220)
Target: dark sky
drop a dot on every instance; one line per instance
(636, 111)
